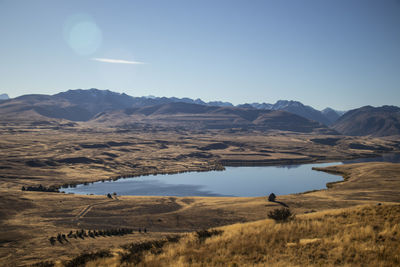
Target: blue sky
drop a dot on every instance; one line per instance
(338, 53)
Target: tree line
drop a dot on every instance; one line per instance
(82, 234)
(40, 188)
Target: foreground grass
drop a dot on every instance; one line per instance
(361, 236)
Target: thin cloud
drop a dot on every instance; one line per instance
(117, 61)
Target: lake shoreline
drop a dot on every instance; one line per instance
(212, 193)
(220, 166)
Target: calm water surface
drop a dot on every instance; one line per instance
(234, 181)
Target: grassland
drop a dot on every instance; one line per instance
(367, 235)
(33, 155)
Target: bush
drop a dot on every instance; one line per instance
(281, 215)
(82, 259)
(135, 251)
(204, 234)
(43, 264)
(52, 240)
(272, 197)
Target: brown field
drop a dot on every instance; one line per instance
(33, 155)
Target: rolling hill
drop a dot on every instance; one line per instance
(194, 116)
(294, 107)
(368, 120)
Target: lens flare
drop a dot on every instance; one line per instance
(82, 34)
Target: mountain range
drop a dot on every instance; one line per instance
(101, 106)
(82, 105)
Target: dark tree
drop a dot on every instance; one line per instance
(59, 238)
(271, 197)
(91, 234)
(52, 240)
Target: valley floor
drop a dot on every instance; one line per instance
(33, 156)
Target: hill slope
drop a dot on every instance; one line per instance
(332, 115)
(374, 121)
(193, 116)
(302, 110)
(294, 107)
(361, 236)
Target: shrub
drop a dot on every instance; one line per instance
(204, 234)
(281, 215)
(271, 197)
(82, 259)
(52, 240)
(64, 237)
(43, 264)
(59, 238)
(135, 251)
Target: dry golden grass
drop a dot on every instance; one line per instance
(367, 235)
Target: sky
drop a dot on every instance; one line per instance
(338, 53)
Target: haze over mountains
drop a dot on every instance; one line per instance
(104, 106)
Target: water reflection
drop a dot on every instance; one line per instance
(291, 166)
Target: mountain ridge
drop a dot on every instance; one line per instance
(96, 101)
(369, 120)
(195, 116)
(93, 105)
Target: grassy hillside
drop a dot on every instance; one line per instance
(367, 235)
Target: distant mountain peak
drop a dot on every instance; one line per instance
(4, 97)
(332, 114)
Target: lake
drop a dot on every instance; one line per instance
(234, 181)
